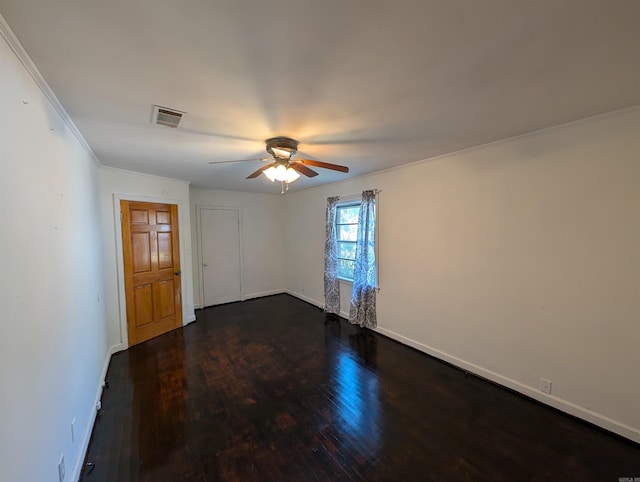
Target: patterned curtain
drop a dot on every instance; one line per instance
(363, 297)
(331, 283)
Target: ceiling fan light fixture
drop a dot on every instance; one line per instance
(292, 175)
(270, 173)
(281, 173)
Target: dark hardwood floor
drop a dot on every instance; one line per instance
(271, 389)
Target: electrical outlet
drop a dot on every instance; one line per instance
(73, 430)
(61, 468)
(545, 385)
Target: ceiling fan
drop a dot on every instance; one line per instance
(283, 167)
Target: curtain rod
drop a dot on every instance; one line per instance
(376, 191)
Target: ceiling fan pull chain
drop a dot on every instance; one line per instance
(282, 187)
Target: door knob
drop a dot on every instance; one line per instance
(205, 264)
(177, 273)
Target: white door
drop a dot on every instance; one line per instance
(220, 242)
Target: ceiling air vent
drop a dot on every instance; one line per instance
(164, 116)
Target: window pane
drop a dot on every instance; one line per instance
(345, 268)
(348, 232)
(348, 215)
(347, 250)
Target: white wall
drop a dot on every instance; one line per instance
(262, 232)
(516, 260)
(53, 345)
(118, 184)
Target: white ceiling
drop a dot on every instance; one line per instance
(366, 83)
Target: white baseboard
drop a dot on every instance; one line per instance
(86, 437)
(566, 406)
(311, 301)
(305, 298)
(263, 293)
(250, 296)
(555, 402)
(190, 319)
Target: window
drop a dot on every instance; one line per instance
(346, 237)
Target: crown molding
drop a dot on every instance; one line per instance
(17, 48)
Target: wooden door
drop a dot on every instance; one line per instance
(220, 242)
(151, 254)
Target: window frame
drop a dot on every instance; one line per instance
(345, 204)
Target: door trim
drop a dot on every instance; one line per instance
(122, 300)
(199, 209)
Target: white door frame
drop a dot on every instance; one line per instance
(199, 209)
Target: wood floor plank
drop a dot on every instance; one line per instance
(273, 389)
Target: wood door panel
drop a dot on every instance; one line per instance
(143, 300)
(141, 247)
(165, 251)
(151, 259)
(139, 217)
(163, 217)
(163, 303)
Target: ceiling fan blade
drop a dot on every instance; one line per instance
(259, 171)
(325, 165)
(302, 169)
(242, 160)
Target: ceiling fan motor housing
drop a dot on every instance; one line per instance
(276, 144)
